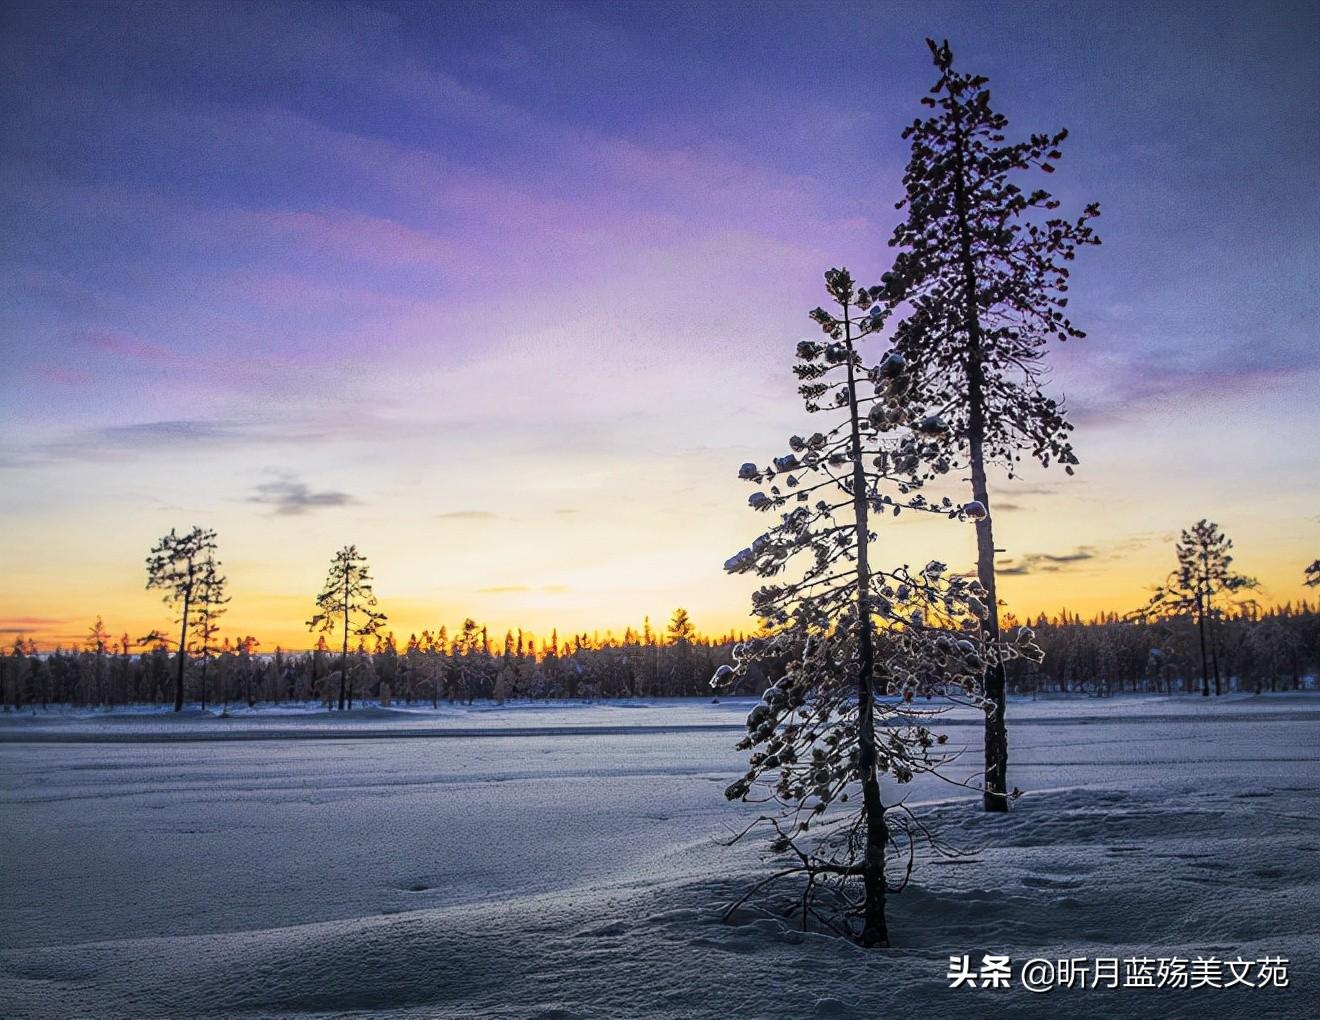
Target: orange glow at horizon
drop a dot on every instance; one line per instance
(52, 617)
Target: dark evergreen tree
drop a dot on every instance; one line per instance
(1197, 588)
(175, 565)
(347, 604)
(209, 604)
(980, 279)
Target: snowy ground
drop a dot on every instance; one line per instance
(424, 865)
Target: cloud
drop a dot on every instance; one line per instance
(188, 435)
(467, 515)
(511, 589)
(1080, 557)
(180, 430)
(1044, 489)
(120, 344)
(1045, 563)
(292, 498)
(1123, 384)
(117, 442)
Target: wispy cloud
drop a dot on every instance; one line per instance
(191, 435)
(22, 624)
(1079, 558)
(1045, 563)
(514, 589)
(1016, 489)
(119, 442)
(467, 515)
(168, 432)
(1126, 384)
(290, 497)
(120, 344)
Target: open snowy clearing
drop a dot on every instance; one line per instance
(574, 871)
(310, 719)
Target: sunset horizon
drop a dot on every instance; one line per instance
(361, 313)
(661, 510)
(511, 325)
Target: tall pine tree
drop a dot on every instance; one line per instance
(980, 279)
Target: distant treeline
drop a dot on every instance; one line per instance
(1277, 649)
(430, 668)
(1251, 650)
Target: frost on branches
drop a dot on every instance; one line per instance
(868, 657)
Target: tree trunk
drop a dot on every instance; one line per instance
(343, 665)
(995, 797)
(183, 652)
(996, 730)
(1205, 669)
(874, 929)
(343, 659)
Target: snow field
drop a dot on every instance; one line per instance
(579, 876)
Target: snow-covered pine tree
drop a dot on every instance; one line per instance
(982, 284)
(347, 597)
(208, 605)
(843, 634)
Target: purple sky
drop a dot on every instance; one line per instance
(504, 293)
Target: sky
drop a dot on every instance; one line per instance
(504, 293)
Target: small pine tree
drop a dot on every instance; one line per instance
(681, 628)
(1195, 589)
(844, 634)
(209, 604)
(98, 643)
(347, 604)
(175, 565)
